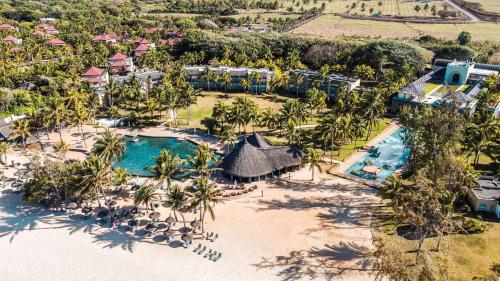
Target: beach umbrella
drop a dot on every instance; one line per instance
(72, 206)
(195, 223)
(103, 212)
(18, 173)
(151, 225)
(169, 233)
(188, 237)
(154, 215)
(170, 219)
(133, 223)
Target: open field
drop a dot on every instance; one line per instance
(469, 256)
(395, 8)
(329, 26)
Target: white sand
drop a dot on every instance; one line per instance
(299, 230)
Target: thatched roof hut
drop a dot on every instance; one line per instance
(254, 157)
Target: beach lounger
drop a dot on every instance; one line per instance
(209, 253)
(197, 248)
(214, 255)
(217, 257)
(202, 250)
(214, 237)
(210, 235)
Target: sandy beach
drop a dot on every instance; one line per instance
(297, 231)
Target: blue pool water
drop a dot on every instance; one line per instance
(389, 155)
(142, 153)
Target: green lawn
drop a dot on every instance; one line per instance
(469, 256)
(430, 87)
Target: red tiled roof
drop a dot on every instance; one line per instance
(118, 56)
(105, 37)
(93, 71)
(38, 33)
(55, 42)
(43, 26)
(9, 38)
(118, 64)
(170, 42)
(151, 30)
(6, 26)
(93, 80)
(141, 41)
(15, 50)
(142, 47)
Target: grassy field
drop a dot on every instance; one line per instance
(468, 256)
(394, 8)
(207, 100)
(329, 26)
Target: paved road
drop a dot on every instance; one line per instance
(471, 16)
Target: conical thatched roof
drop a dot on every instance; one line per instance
(254, 156)
(246, 161)
(258, 141)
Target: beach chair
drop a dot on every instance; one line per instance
(217, 257)
(209, 253)
(214, 255)
(209, 237)
(197, 248)
(202, 250)
(214, 237)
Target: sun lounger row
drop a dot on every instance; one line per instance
(210, 254)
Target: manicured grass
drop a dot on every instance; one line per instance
(430, 87)
(469, 256)
(207, 100)
(331, 26)
(486, 166)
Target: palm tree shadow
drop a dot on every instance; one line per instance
(329, 262)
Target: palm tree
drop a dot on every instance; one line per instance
(256, 76)
(205, 197)
(313, 157)
(79, 116)
(61, 149)
(109, 147)
(120, 177)
(227, 136)
(4, 149)
(96, 176)
(20, 128)
(358, 127)
(166, 167)
(55, 115)
(202, 160)
(297, 81)
(245, 84)
(227, 79)
(146, 195)
(221, 112)
(206, 75)
(176, 200)
(111, 90)
(268, 118)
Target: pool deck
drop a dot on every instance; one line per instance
(358, 155)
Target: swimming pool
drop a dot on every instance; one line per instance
(141, 152)
(388, 155)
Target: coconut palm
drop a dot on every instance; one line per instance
(227, 79)
(111, 90)
(202, 160)
(268, 118)
(166, 167)
(61, 149)
(95, 176)
(109, 147)
(176, 200)
(4, 149)
(146, 195)
(20, 128)
(221, 112)
(55, 114)
(256, 76)
(227, 136)
(205, 197)
(79, 116)
(206, 75)
(120, 177)
(245, 84)
(313, 157)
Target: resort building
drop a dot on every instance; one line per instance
(486, 198)
(120, 63)
(47, 28)
(212, 78)
(6, 26)
(303, 80)
(255, 159)
(145, 77)
(55, 42)
(12, 40)
(96, 76)
(106, 38)
(38, 33)
(143, 46)
(449, 83)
